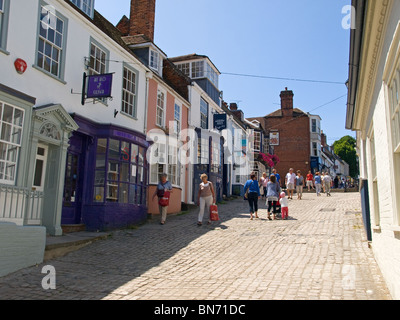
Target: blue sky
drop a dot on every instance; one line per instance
(295, 39)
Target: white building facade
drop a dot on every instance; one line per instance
(373, 111)
(61, 161)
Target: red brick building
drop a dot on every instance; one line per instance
(292, 125)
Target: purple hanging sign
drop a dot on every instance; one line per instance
(99, 86)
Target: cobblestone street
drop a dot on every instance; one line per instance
(321, 252)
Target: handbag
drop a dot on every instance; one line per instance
(164, 200)
(214, 213)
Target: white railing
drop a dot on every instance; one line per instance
(20, 205)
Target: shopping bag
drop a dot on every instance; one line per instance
(164, 200)
(214, 213)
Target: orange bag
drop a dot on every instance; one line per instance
(214, 213)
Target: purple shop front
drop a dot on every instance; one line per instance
(106, 177)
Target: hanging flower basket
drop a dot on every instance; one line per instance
(268, 159)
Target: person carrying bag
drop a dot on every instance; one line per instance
(163, 193)
(205, 198)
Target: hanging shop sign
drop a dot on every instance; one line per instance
(274, 138)
(220, 122)
(98, 86)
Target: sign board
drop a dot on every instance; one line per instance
(274, 138)
(99, 86)
(220, 122)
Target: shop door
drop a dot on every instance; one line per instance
(72, 199)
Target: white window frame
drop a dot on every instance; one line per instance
(185, 68)
(87, 6)
(204, 115)
(10, 143)
(161, 108)
(177, 118)
(129, 91)
(169, 165)
(44, 159)
(393, 90)
(98, 60)
(257, 141)
(155, 61)
(197, 69)
(51, 42)
(315, 152)
(374, 176)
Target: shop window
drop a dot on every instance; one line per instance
(120, 172)
(71, 179)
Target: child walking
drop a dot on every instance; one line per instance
(284, 206)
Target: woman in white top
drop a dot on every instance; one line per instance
(205, 197)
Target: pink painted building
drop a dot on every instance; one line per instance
(167, 107)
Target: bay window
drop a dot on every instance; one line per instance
(120, 172)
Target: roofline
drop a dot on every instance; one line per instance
(356, 43)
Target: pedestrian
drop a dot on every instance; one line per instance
(322, 181)
(205, 198)
(252, 189)
(163, 185)
(310, 180)
(284, 206)
(327, 183)
(290, 180)
(318, 182)
(273, 192)
(263, 182)
(336, 182)
(278, 177)
(299, 185)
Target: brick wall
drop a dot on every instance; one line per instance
(142, 18)
(294, 136)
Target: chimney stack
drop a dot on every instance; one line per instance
(287, 103)
(142, 18)
(233, 106)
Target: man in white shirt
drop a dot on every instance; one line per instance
(290, 182)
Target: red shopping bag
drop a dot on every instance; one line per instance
(214, 213)
(164, 200)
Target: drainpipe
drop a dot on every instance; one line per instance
(149, 75)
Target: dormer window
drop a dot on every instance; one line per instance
(87, 6)
(155, 61)
(199, 69)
